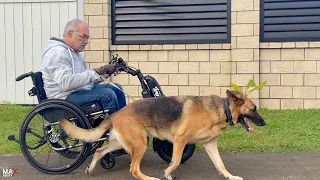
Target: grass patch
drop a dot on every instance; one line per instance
(11, 117)
(286, 131)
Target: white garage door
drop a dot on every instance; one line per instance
(25, 26)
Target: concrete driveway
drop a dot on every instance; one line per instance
(250, 166)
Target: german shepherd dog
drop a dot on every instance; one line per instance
(179, 119)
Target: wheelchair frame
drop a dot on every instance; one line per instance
(85, 118)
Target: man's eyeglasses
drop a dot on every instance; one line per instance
(84, 36)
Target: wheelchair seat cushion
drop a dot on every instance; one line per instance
(91, 107)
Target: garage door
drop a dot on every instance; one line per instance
(25, 26)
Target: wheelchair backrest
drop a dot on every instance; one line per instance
(38, 85)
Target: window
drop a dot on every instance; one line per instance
(289, 20)
(37, 1)
(171, 22)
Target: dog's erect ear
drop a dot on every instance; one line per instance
(236, 100)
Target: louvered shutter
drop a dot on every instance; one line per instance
(170, 21)
(290, 20)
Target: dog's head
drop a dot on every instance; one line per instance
(243, 110)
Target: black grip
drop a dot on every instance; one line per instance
(122, 66)
(130, 71)
(22, 76)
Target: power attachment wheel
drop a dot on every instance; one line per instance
(108, 161)
(165, 148)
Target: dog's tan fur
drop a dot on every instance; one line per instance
(200, 119)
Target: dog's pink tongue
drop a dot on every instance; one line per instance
(251, 130)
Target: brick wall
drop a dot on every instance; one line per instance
(199, 69)
(96, 14)
(245, 43)
(292, 73)
(180, 69)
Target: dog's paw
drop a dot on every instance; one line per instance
(87, 171)
(155, 178)
(169, 177)
(235, 178)
(166, 177)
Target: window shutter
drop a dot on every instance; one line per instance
(170, 21)
(289, 20)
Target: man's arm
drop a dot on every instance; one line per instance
(60, 69)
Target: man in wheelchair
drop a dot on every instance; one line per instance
(66, 76)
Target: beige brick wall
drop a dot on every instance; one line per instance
(292, 73)
(96, 14)
(185, 71)
(291, 69)
(245, 44)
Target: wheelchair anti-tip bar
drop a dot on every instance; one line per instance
(41, 142)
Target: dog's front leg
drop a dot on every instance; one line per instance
(178, 146)
(212, 150)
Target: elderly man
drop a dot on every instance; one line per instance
(66, 76)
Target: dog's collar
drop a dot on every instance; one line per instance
(227, 111)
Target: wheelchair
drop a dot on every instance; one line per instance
(69, 153)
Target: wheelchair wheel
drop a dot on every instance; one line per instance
(74, 154)
(94, 146)
(45, 145)
(164, 150)
(108, 161)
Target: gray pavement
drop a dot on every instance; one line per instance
(250, 166)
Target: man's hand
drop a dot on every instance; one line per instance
(106, 69)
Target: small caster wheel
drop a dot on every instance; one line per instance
(108, 161)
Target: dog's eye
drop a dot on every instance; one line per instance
(254, 109)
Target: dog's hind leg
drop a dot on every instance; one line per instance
(212, 150)
(178, 147)
(137, 148)
(136, 157)
(100, 152)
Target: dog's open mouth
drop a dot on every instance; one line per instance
(245, 122)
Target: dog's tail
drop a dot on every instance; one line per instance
(87, 135)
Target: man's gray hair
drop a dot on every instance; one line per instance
(72, 25)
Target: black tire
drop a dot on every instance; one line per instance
(108, 161)
(82, 122)
(164, 150)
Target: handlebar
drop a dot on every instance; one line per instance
(22, 76)
(121, 65)
(130, 71)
